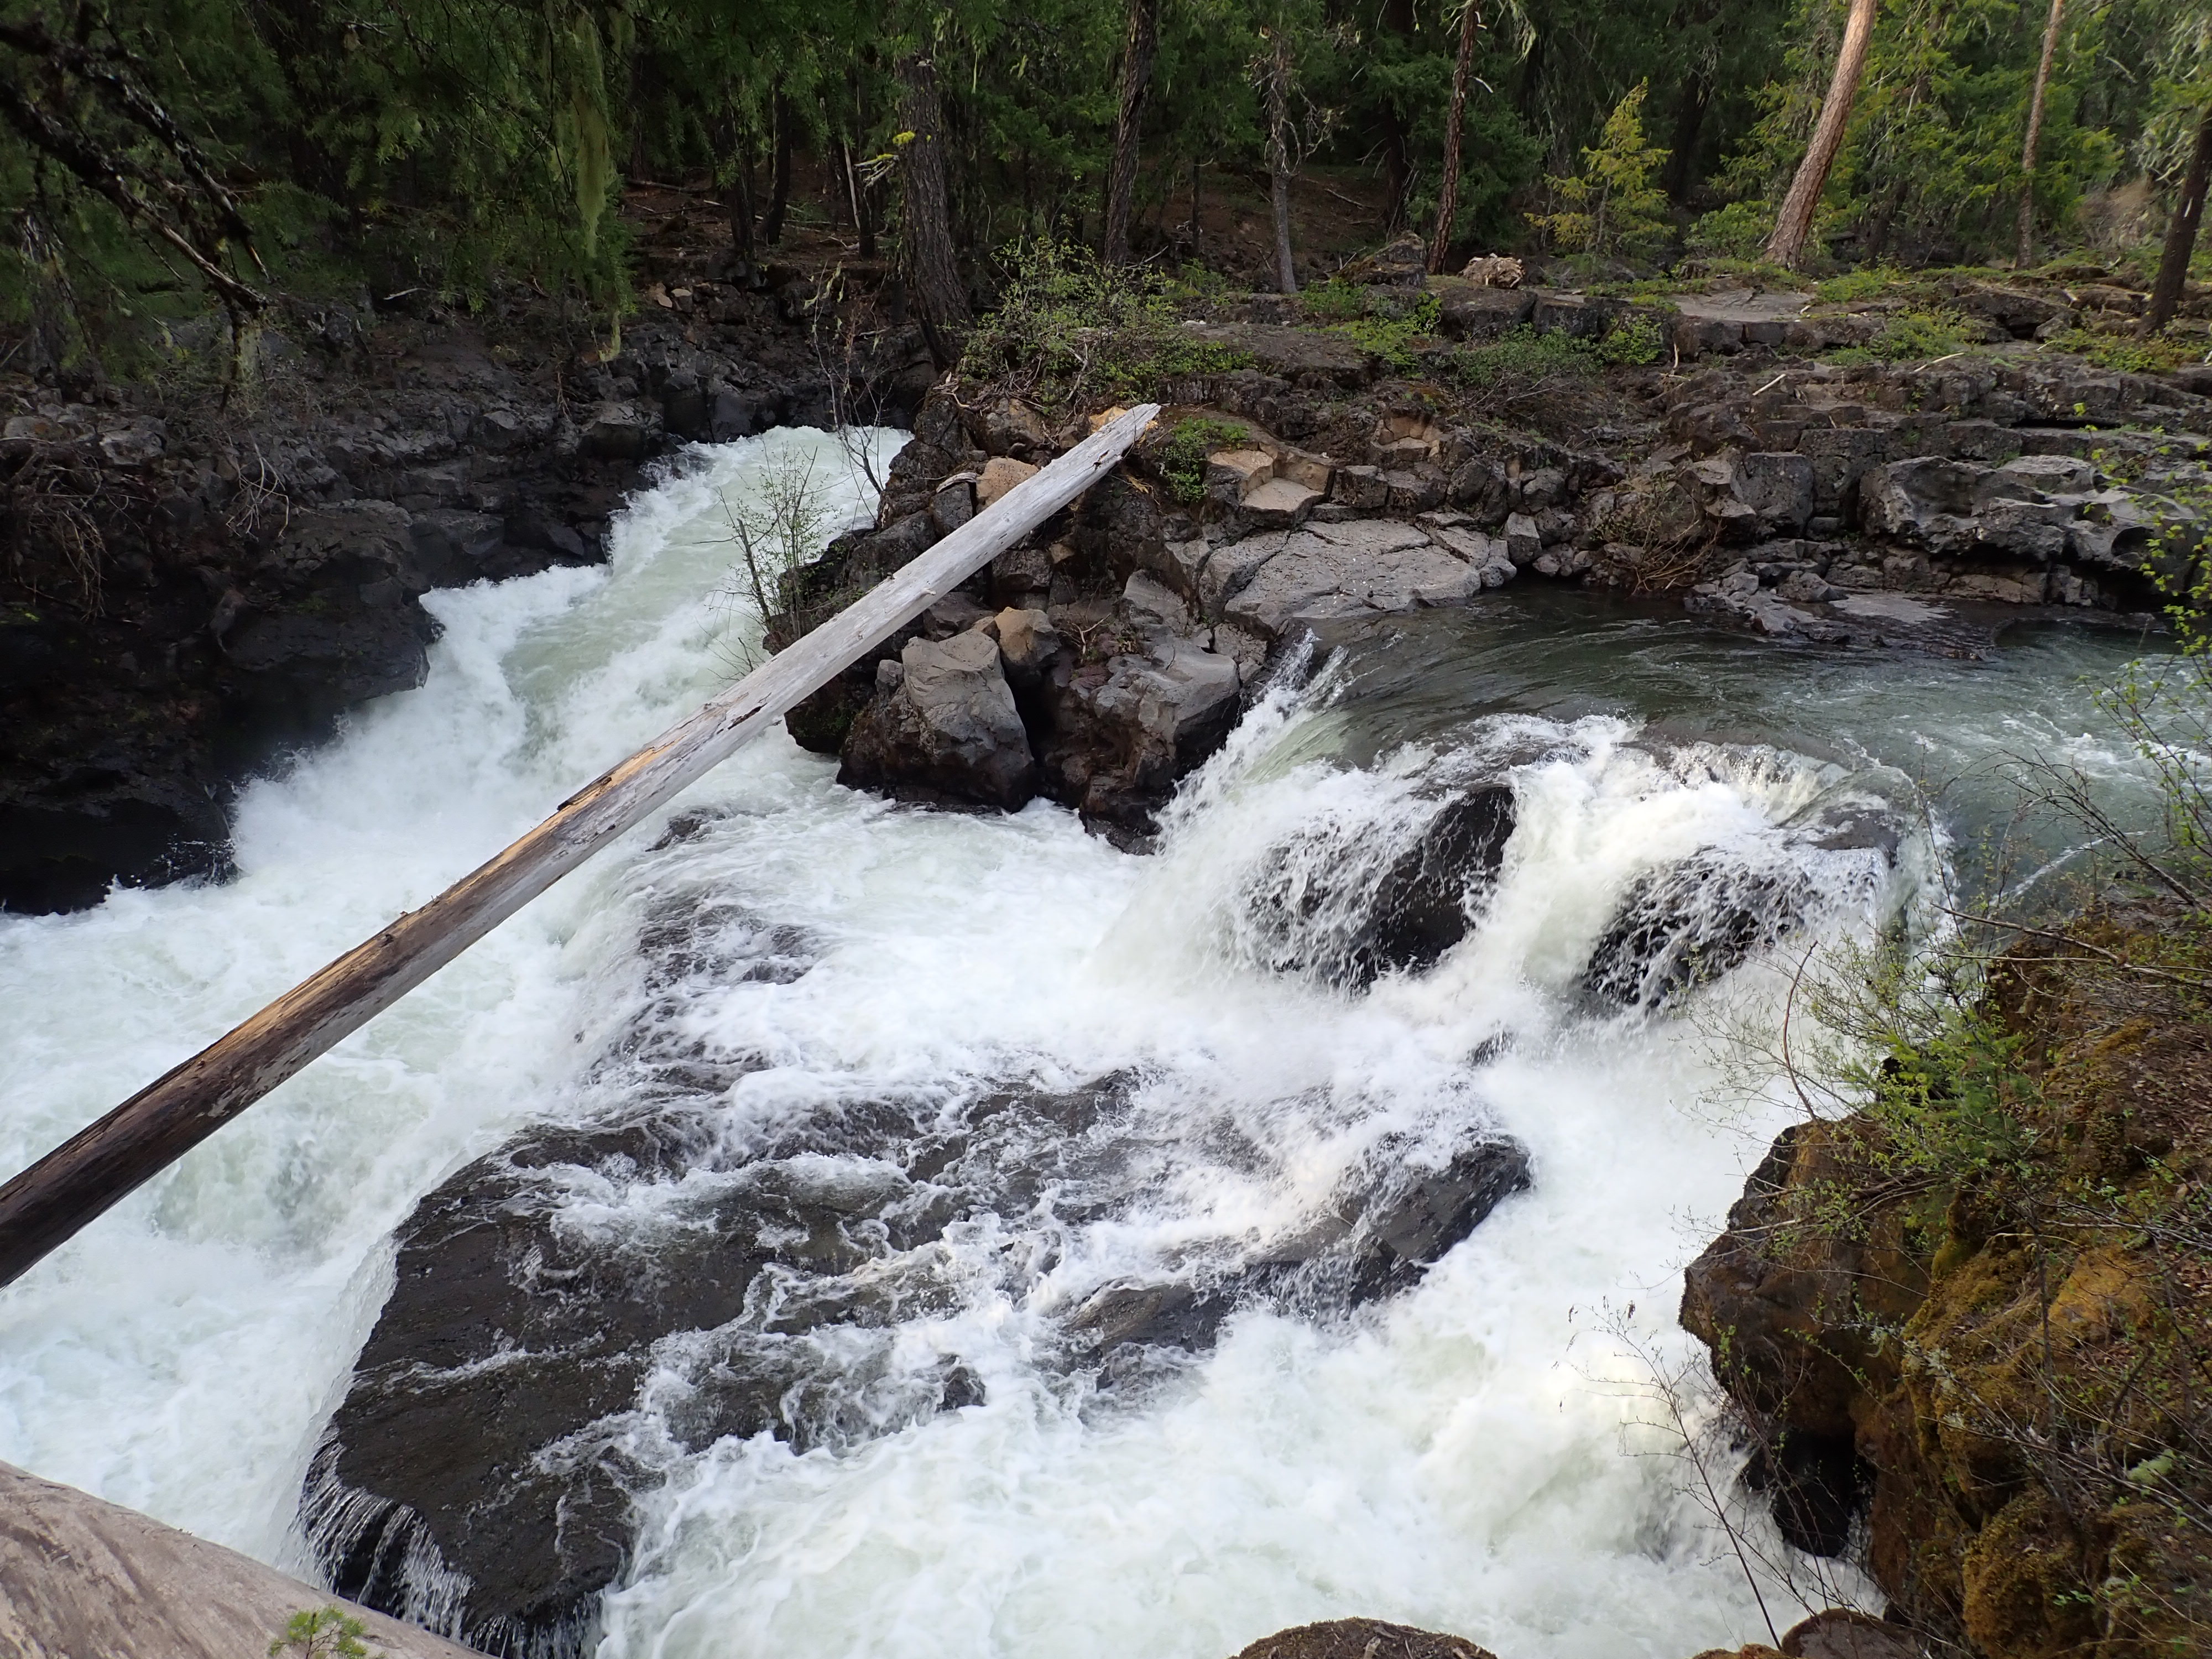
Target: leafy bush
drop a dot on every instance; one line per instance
(1611, 206)
(1863, 283)
(1334, 302)
(1068, 325)
(1182, 459)
(1393, 338)
(2129, 354)
(324, 1634)
(1925, 334)
(1738, 231)
(1636, 340)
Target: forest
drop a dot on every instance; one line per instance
(160, 155)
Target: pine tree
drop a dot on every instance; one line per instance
(1614, 205)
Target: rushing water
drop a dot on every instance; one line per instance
(1459, 1456)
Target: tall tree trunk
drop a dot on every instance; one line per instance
(1397, 18)
(1689, 127)
(1139, 45)
(1470, 20)
(741, 203)
(779, 189)
(2026, 256)
(933, 271)
(1793, 226)
(1281, 143)
(2181, 233)
(1196, 231)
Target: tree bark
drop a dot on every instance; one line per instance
(1793, 226)
(46, 1204)
(779, 189)
(1281, 158)
(1689, 127)
(933, 271)
(1139, 46)
(2027, 253)
(1470, 21)
(2181, 232)
(741, 206)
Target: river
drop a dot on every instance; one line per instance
(1471, 1454)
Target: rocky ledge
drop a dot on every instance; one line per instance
(1111, 653)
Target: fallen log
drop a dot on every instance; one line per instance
(46, 1204)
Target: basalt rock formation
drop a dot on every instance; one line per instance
(192, 588)
(577, 1308)
(1971, 1315)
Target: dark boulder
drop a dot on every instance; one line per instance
(943, 727)
(1688, 924)
(1362, 1638)
(1350, 904)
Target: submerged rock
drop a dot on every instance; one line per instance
(1337, 904)
(1362, 1638)
(580, 1308)
(1683, 926)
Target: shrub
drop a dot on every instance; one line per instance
(1738, 231)
(1611, 206)
(1393, 338)
(1861, 284)
(1334, 302)
(1636, 340)
(1067, 325)
(2129, 354)
(1905, 335)
(1182, 459)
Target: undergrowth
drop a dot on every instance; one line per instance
(1068, 326)
(1182, 458)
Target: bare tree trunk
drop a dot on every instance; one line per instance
(1281, 144)
(741, 202)
(779, 189)
(2026, 256)
(2181, 233)
(1139, 47)
(1689, 127)
(1793, 226)
(1470, 20)
(933, 271)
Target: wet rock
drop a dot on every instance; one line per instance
(1358, 567)
(1688, 924)
(1350, 907)
(1414, 1213)
(620, 431)
(1362, 1638)
(1119, 734)
(947, 731)
(1840, 1634)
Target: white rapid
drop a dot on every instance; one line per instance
(1465, 1456)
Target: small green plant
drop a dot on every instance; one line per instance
(1068, 325)
(1924, 334)
(1634, 340)
(1334, 302)
(1182, 457)
(1523, 362)
(1393, 338)
(324, 1634)
(2128, 353)
(1611, 206)
(776, 526)
(1864, 283)
(1738, 231)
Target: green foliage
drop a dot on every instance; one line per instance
(324, 1634)
(1182, 459)
(1334, 302)
(1864, 283)
(1395, 340)
(1924, 334)
(1739, 230)
(1067, 326)
(2129, 354)
(1611, 206)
